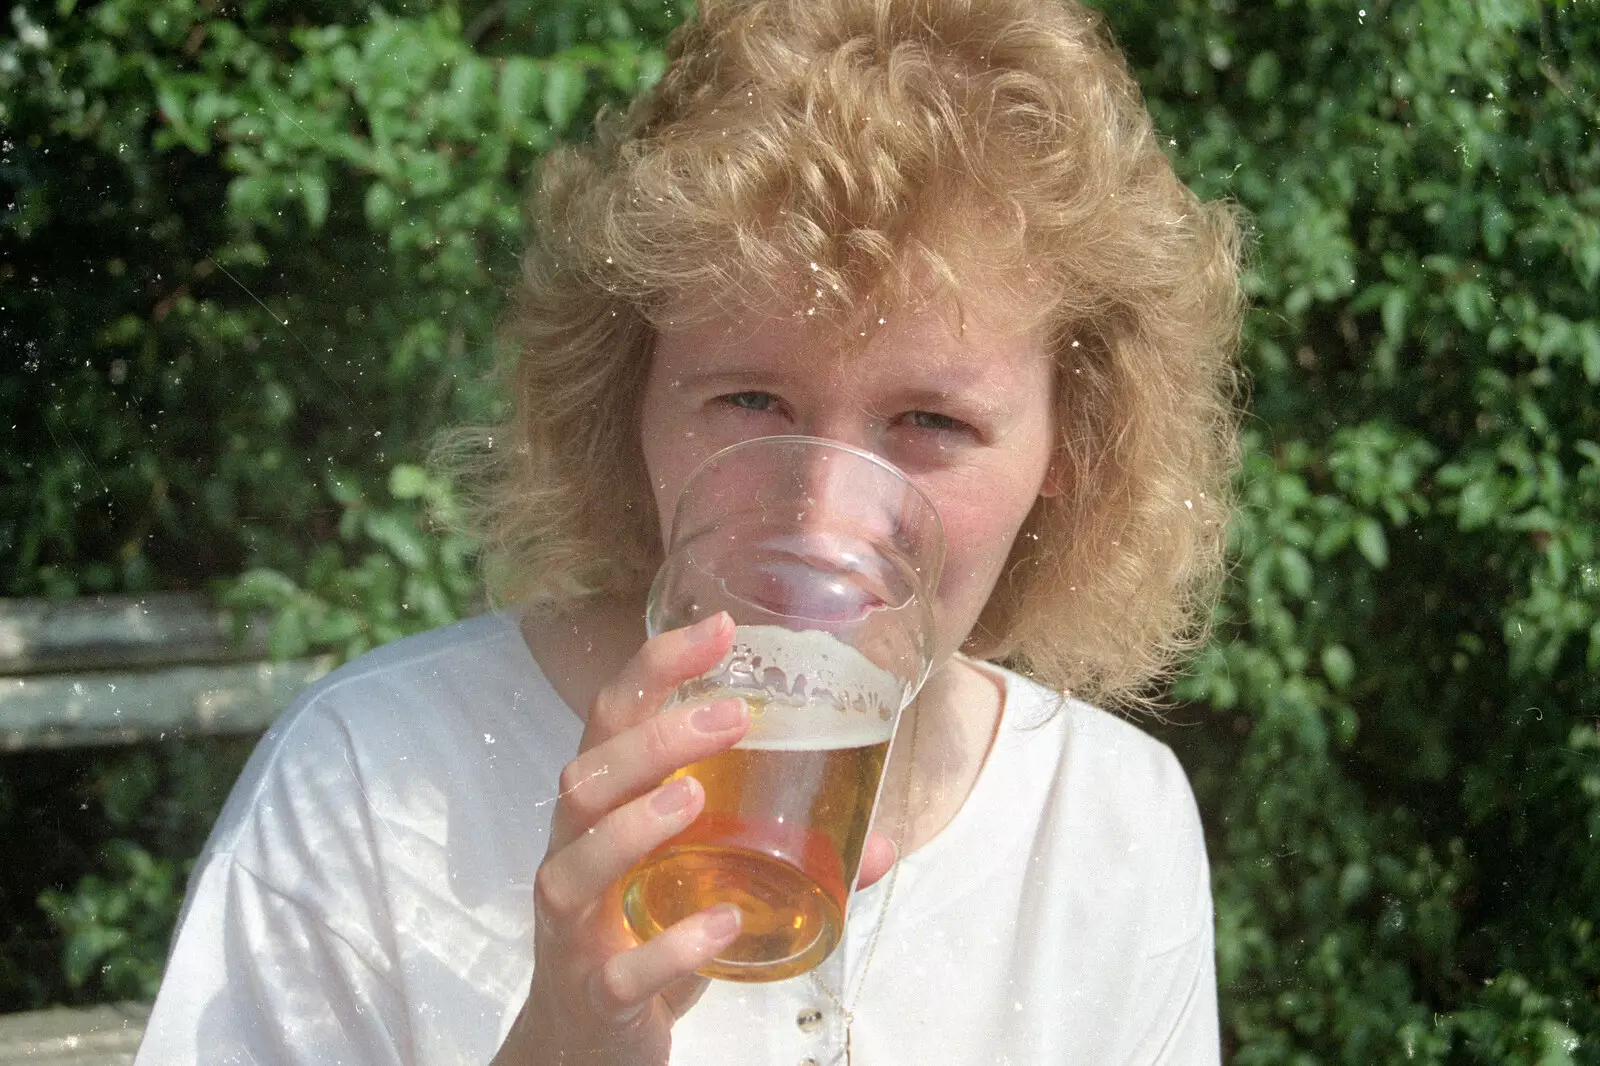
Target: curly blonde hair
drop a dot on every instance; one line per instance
(852, 154)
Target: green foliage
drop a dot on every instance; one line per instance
(382, 576)
(1405, 791)
(117, 926)
(134, 821)
(251, 264)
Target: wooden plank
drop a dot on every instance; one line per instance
(102, 632)
(106, 1035)
(118, 707)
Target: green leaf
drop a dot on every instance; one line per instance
(1334, 536)
(1471, 302)
(1338, 665)
(171, 104)
(519, 86)
(250, 199)
(334, 627)
(381, 205)
(85, 948)
(262, 589)
(1261, 79)
(563, 91)
(1497, 225)
(1296, 571)
(314, 196)
(1371, 541)
(1588, 338)
(1478, 504)
(1396, 302)
(398, 534)
(409, 482)
(1354, 883)
(287, 637)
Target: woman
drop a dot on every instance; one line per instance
(940, 230)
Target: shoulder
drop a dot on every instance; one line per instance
(400, 805)
(1116, 790)
(467, 654)
(1104, 752)
(449, 711)
(432, 684)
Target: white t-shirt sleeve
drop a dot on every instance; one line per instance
(257, 977)
(1180, 986)
(1175, 993)
(283, 954)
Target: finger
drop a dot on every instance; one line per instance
(663, 663)
(680, 996)
(637, 759)
(878, 854)
(574, 879)
(629, 980)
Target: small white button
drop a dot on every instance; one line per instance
(809, 1021)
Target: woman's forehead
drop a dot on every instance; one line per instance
(943, 323)
(921, 346)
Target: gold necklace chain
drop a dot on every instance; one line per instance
(883, 907)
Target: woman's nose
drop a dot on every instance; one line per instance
(841, 492)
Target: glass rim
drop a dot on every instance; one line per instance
(937, 565)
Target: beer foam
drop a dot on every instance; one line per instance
(813, 728)
(808, 690)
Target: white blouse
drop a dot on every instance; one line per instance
(366, 895)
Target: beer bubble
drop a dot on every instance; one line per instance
(807, 690)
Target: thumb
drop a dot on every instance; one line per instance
(877, 855)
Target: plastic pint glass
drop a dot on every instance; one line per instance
(826, 558)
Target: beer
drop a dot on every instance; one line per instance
(786, 815)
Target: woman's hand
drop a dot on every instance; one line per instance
(598, 996)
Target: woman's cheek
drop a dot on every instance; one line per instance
(981, 518)
(972, 558)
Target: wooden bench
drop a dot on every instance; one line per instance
(106, 1035)
(118, 670)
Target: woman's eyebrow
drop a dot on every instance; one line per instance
(968, 402)
(714, 378)
(969, 399)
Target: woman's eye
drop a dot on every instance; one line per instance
(934, 421)
(750, 401)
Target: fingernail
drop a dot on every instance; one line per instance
(718, 717)
(706, 628)
(721, 922)
(672, 797)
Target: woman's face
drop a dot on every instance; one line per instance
(964, 409)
